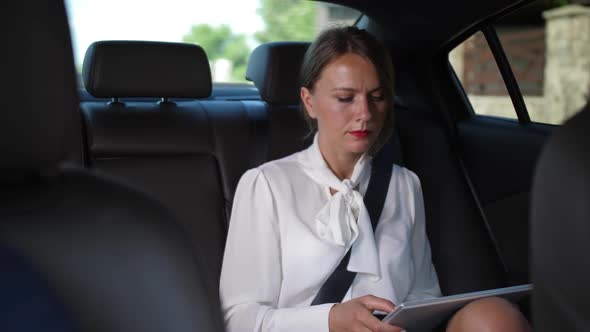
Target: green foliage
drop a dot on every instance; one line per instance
(559, 3)
(221, 43)
(283, 20)
(286, 20)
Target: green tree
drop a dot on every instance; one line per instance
(221, 43)
(559, 3)
(286, 20)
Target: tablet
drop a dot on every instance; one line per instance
(425, 315)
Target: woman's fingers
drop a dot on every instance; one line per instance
(376, 303)
(356, 315)
(376, 325)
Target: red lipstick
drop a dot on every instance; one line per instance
(360, 133)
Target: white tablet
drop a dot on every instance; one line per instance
(425, 315)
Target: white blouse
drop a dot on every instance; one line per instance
(288, 233)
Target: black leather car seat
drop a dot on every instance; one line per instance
(116, 258)
(164, 148)
(28, 302)
(560, 229)
(462, 249)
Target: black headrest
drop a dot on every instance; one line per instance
(274, 69)
(146, 69)
(39, 78)
(560, 223)
(562, 179)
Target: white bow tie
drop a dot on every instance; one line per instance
(344, 220)
(336, 222)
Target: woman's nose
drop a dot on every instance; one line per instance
(363, 110)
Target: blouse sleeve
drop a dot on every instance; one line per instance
(425, 281)
(252, 271)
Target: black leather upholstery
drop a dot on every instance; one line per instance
(146, 69)
(114, 255)
(462, 250)
(33, 138)
(560, 229)
(237, 129)
(25, 295)
(274, 68)
(116, 258)
(145, 129)
(166, 151)
(288, 131)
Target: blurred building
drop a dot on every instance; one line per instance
(548, 48)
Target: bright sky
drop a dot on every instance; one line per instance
(164, 20)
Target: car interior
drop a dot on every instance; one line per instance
(119, 195)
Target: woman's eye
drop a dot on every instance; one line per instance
(344, 99)
(377, 97)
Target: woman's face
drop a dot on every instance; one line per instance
(348, 103)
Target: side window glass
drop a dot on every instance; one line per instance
(478, 72)
(548, 47)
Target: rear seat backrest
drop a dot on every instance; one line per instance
(165, 148)
(462, 250)
(250, 133)
(239, 132)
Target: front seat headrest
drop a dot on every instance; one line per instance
(560, 226)
(36, 121)
(146, 69)
(274, 69)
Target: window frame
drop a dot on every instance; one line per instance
(507, 74)
(488, 30)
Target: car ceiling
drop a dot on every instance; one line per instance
(419, 27)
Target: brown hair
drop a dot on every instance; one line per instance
(335, 42)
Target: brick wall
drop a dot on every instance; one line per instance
(525, 48)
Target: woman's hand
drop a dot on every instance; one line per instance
(356, 315)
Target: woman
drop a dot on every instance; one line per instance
(295, 218)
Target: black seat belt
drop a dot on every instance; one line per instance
(338, 283)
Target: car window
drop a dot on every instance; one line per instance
(548, 47)
(228, 30)
(481, 79)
